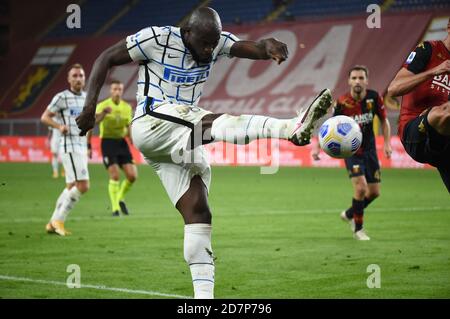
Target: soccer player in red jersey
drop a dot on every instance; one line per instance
(424, 124)
(362, 105)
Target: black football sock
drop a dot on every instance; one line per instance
(349, 212)
(358, 213)
(368, 201)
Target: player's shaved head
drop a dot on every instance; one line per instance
(205, 20)
(201, 33)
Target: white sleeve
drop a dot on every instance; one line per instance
(141, 44)
(56, 104)
(227, 40)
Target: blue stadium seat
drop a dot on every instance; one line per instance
(404, 5)
(170, 12)
(147, 13)
(245, 11)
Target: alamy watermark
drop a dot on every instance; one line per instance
(374, 279)
(374, 19)
(73, 20)
(74, 279)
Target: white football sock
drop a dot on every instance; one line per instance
(246, 128)
(59, 202)
(198, 255)
(67, 204)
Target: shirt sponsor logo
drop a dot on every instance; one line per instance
(75, 111)
(365, 118)
(441, 81)
(181, 76)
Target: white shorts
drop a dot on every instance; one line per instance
(164, 145)
(75, 166)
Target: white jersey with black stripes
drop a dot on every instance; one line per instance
(66, 106)
(168, 73)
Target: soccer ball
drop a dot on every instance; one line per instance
(340, 136)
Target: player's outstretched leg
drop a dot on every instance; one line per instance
(246, 128)
(193, 206)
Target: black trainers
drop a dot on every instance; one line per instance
(123, 208)
(116, 213)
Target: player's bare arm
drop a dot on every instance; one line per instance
(115, 55)
(405, 81)
(262, 50)
(47, 119)
(386, 128)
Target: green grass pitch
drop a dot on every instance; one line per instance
(274, 236)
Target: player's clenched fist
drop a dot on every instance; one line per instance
(85, 121)
(276, 50)
(442, 68)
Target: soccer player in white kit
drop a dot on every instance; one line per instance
(61, 114)
(170, 129)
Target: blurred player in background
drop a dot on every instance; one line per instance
(54, 140)
(363, 167)
(114, 116)
(64, 108)
(424, 124)
(170, 129)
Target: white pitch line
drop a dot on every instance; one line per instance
(242, 213)
(124, 290)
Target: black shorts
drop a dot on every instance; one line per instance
(425, 145)
(364, 165)
(115, 151)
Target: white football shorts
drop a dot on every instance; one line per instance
(164, 145)
(75, 166)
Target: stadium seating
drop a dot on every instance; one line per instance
(146, 13)
(408, 5)
(141, 13)
(236, 11)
